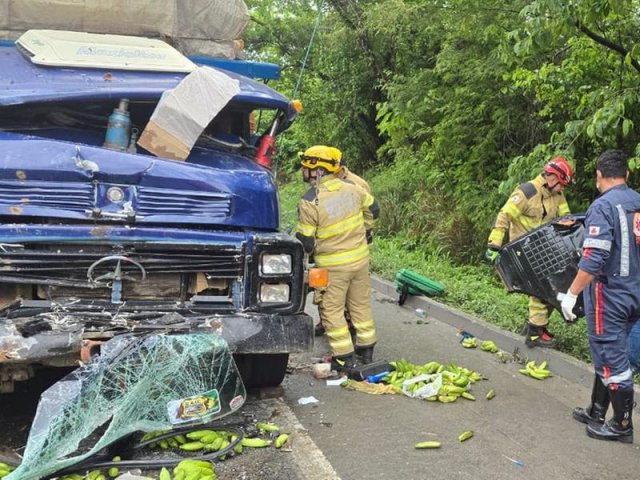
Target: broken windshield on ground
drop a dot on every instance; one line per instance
(149, 383)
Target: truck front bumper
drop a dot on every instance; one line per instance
(57, 342)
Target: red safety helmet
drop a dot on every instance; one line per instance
(559, 167)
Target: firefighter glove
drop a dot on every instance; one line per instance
(491, 255)
(567, 302)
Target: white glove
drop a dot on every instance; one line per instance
(568, 301)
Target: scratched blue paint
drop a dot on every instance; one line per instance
(45, 175)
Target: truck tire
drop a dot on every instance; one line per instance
(262, 369)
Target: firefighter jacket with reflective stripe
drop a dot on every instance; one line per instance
(332, 221)
(345, 174)
(531, 205)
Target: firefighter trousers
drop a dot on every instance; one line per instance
(353, 290)
(539, 312)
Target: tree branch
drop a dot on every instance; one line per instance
(607, 43)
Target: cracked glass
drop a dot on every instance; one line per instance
(149, 383)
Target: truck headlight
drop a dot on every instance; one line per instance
(274, 293)
(276, 264)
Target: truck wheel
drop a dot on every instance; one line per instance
(262, 369)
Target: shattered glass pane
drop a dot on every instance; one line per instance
(149, 383)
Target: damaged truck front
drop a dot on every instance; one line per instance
(99, 239)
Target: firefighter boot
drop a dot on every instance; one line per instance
(596, 412)
(343, 363)
(365, 354)
(539, 336)
(620, 427)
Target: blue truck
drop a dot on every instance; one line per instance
(97, 241)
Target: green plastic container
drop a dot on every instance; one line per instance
(417, 284)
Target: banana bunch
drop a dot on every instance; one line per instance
(112, 472)
(489, 346)
(470, 342)
(5, 469)
(190, 469)
(539, 372)
(455, 379)
(210, 441)
(171, 442)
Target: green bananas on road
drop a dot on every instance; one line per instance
(464, 436)
(456, 380)
(489, 346)
(470, 342)
(539, 372)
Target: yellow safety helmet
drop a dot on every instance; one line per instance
(321, 156)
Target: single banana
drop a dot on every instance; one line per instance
(490, 394)
(192, 446)
(431, 444)
(267, 427)
(465, 436)
(281, 440)
(255, 442)
(198, 434)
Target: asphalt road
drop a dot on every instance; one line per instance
(528, 422)
(526, 431)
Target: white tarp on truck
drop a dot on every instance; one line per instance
(195, 27)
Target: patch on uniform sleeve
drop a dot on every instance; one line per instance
(636, 227)
(529, 190)
(594, 230)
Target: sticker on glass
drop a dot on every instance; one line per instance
(197, 407)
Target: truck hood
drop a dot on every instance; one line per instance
(63, 180)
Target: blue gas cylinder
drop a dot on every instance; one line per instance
(119, 127)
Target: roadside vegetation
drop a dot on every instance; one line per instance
(445, 107)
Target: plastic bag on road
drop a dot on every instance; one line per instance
(430, 389)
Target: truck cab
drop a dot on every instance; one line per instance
(99, 240)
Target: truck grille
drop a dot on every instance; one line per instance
(156, 201)
(59, 266)
(80, 198)
(74, 197)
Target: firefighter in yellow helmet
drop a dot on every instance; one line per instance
(333, 217)
(347, 175)
(531, 205)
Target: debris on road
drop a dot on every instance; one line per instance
(371, 388)
(307, 400)
(195, 381)
(464, 436)
(514, 461)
